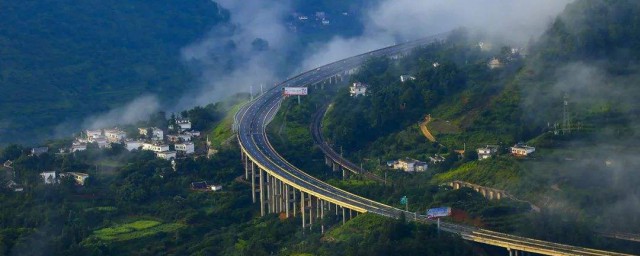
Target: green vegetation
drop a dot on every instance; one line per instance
(135, 230)
(64, 60)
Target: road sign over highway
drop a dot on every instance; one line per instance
(288, 91)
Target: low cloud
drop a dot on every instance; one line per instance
(394, 21)
(232, 58)
(137, 110)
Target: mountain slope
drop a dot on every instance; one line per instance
(63, 60)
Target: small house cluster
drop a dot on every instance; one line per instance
(521, 149)
(408, 165)
(487, 151)
(50, 177)
(166, 146)
(358, 89)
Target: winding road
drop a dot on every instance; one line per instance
(252, 119)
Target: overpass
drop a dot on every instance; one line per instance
(280, 187)
(332, 158)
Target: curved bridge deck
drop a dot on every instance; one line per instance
(280, 187)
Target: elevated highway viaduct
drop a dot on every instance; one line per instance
(280, 187)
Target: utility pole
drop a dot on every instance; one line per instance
(261, 89)
(251, 91)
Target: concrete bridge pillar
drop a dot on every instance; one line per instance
(253, 183)
(302, 209)
(322, 216)
(295, 201)
(327, 161)
(336, 166)
(311, 211)
(499, 195)
(262, 192)
(490, 194)
(286, 199)
(246, 167)
(343, 216)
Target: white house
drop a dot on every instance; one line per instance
(192, 133)
(133, 144)
(186, 147)
(93, 133)
(39, 151)
(156, 133)
(522, 150)
(358, 89)
(436, 159)
(102, 142)
(494, 63)
(155, 147)
(115, 135)
(166, 155)
(49, 177)
(78, 146)
(184, 124)
(216, 187)
(410, 165)
(487, 152)
(404, 78)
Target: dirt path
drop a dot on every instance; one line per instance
(425, 131)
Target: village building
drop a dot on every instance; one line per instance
(12, 185)
(436, 159)
(199, 185)
(216, 187)
(435, 64)
(39, 151)
(522, 150)
(358, 89)
(93, 133)
(156, 133)
(49, 177)
(186, 147)
(155, 147)
(102, 142)
(410, 165)
(487, 152)
(192, 133)
(494, 63)
(133, 144)
(166, 155)
(78, 177)
(115, 135)
(404, 78)
(184, 124)
(8, 164)
(78, 146)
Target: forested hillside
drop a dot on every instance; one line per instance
(63, 60)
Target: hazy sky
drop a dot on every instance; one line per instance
(386, 23)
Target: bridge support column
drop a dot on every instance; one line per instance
(311, 211)
(343, 216)
(335, 166)
(322, 216)
(246, 167)
(261, 192)
(294, 201)
(286, 199)
(302, 210)
(269, 194)
(253, 183)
